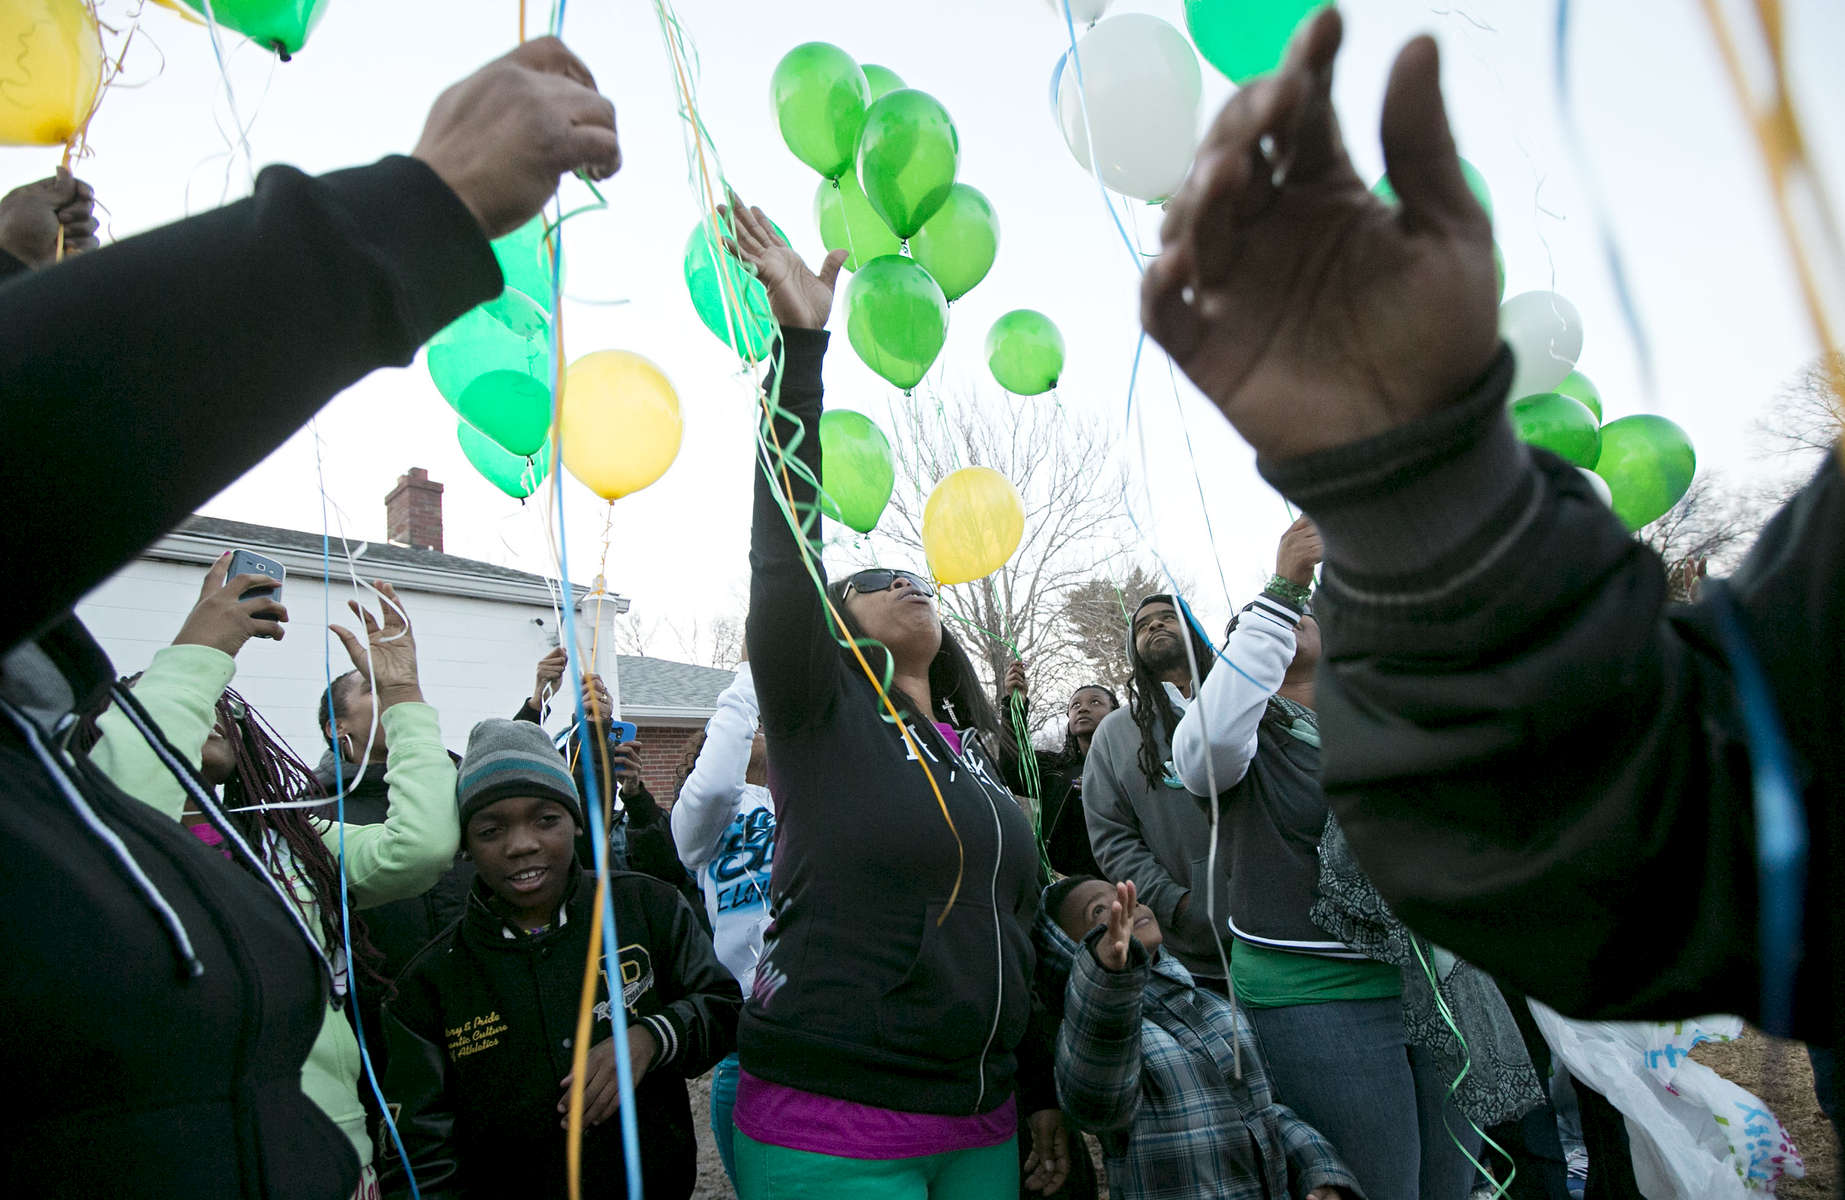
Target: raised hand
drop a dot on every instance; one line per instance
(798, 298)
(1016, 681)
(550, 675)
(1313, 313)
(223, 619)
(391, 666)
(503, 136)
(32, 214)
(1111, 949)
(1299, 552)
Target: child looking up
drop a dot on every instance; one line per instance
(1149, 1061)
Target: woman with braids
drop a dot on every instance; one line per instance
(878, 1046)
(185, 691)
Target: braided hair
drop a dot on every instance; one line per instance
(267, 772)
(1153, 712)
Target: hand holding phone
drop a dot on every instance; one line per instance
(232, 609)
(249, 562)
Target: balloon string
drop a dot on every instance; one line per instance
(1021, 733)
(1778, 135)
(778, 463)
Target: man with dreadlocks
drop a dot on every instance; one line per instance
(263, 785)
(1129, 788)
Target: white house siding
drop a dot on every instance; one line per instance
(475, 655)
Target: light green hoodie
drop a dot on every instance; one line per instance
(396, 860)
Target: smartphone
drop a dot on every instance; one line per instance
(621, 731)
(249, 562)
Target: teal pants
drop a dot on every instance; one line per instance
(778, 1173)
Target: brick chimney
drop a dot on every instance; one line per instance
(413, 512)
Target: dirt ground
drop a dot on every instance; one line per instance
(1779, 1073)
(712, 1183)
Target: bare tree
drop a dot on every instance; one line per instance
(1808, 415)
(1075, 526)
(1097, 612)
(714, 643)
(1707, 530)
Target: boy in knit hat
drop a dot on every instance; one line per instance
(481, 1029)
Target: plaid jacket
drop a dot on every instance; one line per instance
(1144, 1059)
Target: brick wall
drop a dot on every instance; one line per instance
(662, 747)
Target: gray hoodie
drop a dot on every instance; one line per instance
(1158, 837)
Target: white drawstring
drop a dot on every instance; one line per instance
(190, 965)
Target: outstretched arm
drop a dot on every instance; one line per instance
(788, 632)
(220, 334)
(1539, 764)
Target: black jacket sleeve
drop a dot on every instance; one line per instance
(416, 1086)
(792, 654)
(1539, 763)
(200, 346)
(698, 1026)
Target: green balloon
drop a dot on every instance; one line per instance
(819, 95)
(907, 158)
(1025, 352)
(714, 276)
(897, 318)
(958, 243)
(883, 80)
(1561, 425)
(278, 25)
(517, 475)
(1577, 385)
(1245, 38)
(493, 366)
(847, 222)
(525, 261)
(1647, 462)
(856, 469)
(1476, 183)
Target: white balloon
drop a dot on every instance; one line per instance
(1600, 486)
(1545, 333)
(1083, 12)
(1142, 83)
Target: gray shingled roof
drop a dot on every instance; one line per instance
(657, 683)
(232, 532)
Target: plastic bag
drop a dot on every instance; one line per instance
(1694, 1133)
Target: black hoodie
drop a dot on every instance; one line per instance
(198, 347)
(480, 1034)
(873, 986)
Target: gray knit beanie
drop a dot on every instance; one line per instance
(513, 758)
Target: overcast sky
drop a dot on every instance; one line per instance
(1662, 138)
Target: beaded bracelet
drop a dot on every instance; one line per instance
(1289, 592)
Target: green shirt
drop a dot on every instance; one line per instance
(1266, 978)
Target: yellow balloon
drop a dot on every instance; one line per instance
(971, 524)
(51, 63)
(620, 424)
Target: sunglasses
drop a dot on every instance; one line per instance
(237, 709)
(878, 580)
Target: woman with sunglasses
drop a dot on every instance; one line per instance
(878, 1046)
(185, 689)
